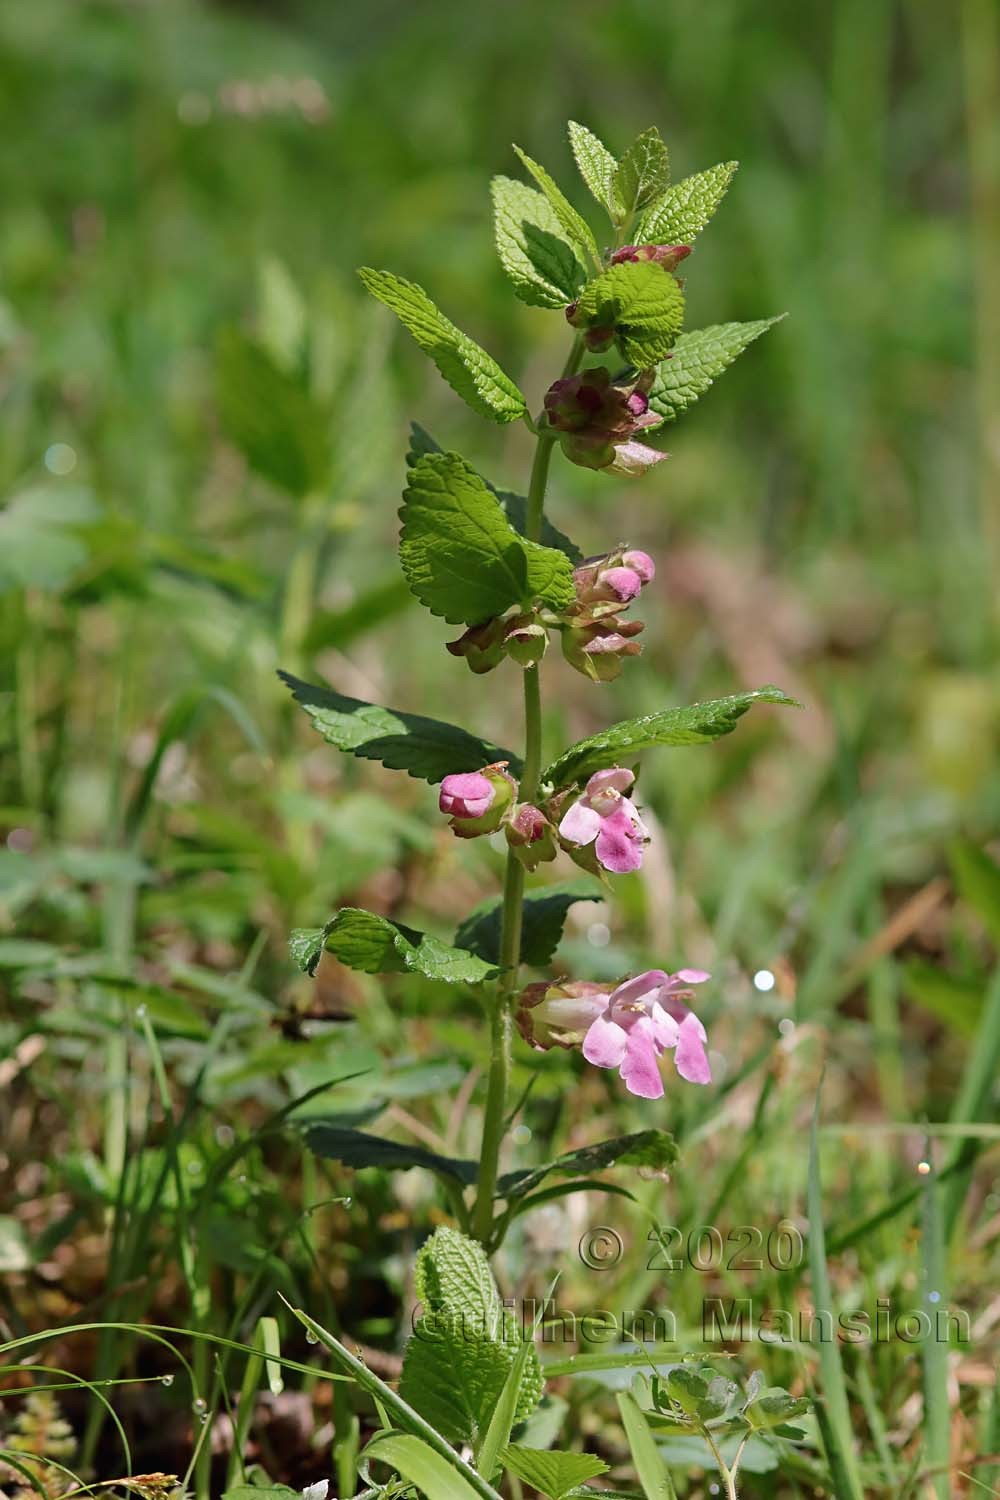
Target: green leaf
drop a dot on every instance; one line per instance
(357, 1149)
(424, 748)
(469, 370)
(458, 1363)
(656, 1150)
(643, 303)
(598, 168)
(461, 556)
(684, 209)
(649, 1466)
(977, 877)
(542, 267)
(576, 229)
(697, 359)
(644, 172)
(697, 724)
(552, 1471)
(375, 945)
(542, 924)
(410, 1456)
(504, 1414)
(452, 1274)
(515, 507)
(774, 1407)
(270, 416)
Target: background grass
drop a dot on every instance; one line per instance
(828, 520)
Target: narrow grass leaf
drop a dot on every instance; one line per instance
(653, 1473)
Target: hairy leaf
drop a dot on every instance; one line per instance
(553, 1472)
(576, 229)
(684, 209)
(644, 172)
(376, 945)
(424, 748)
(699, 357)
(469, 370)
(697, 724)
(515, 507)
(460, 1356)
(270, 416)
(357, 1149)
(643, 302)
(654, 1149)
(598, 168)
(542, 266)
(542, 925)
(459, 553)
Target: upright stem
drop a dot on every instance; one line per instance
(513, 885)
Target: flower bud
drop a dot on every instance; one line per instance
(526, 640)
(476, 801)
(481, 645)
(616, 578)
(597, 336)
(596, 420)
(599, 649)
(560, 1014)
(530, 835)
(634, 459)
(668, 256)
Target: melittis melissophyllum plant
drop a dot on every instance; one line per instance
(491, 561)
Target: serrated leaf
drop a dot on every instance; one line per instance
(655, 1150)
(469, 370)
(372, 944)
(357, 1149)
(417, 1461)
(576, 229)
(598, 168)
(424, 748)
(515, 507)
(461, 556)
(542, 266)
(458, 1361)
(643, 303)
(697, 359)
(698, 724)
(551, 1470)
(544, 916)
(644, 172)
(679, 214)
(270, 416)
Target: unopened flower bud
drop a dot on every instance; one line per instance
(476, 801)
(526, 641)
(634, 459)
(530, 835)
(560, 1014)
(667, 256)
(598, 650)
(481, 645)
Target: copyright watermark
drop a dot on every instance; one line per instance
(601, 1248)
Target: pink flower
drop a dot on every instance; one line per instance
(667, 256)
(476, 801)
(530, 835)
(605, 817)
(645, 1017)
(597, 418)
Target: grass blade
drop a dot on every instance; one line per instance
(650, 1464)
(972, 1105)
(937, 1416)
(410, 1456)
(832, 1407)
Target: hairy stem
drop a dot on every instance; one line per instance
(513, 886)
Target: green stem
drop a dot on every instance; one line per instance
(494, 1122)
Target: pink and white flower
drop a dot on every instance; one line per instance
(645, 1017)
(605, 817)
(629, 1028)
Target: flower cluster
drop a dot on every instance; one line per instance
(601, 829)
(595, 637)
(629, 1027)
(597, 419)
